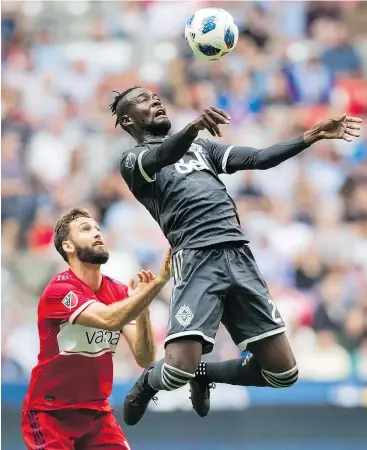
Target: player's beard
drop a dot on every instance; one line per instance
(92, 255)
(158, 128)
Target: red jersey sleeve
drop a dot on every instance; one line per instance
(122, 291)
(65, 301)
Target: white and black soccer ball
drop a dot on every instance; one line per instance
(211, 33)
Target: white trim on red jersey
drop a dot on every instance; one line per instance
(88, 354)
(81, 308)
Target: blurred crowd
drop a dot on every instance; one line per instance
(295, 63)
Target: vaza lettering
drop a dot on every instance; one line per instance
(103, 336)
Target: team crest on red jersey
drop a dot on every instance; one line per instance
(70, 300)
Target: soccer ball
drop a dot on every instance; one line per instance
(211, 33)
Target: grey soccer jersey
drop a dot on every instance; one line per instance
(187, 199)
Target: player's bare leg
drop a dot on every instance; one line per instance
(275, 355)
(271, 364)
(186, 356)
(174, 371)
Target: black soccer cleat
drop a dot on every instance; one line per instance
(200, 398)
(200, 391)
(138, 398)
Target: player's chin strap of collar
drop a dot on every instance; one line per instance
(155, 140)
(281, 380)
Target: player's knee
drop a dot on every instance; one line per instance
(181, 361)
(281, 380)
(184, 355)
(185, 365)
(290, 361)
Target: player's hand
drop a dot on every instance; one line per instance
(343, 127)
(210, 119)
(141, 281)
(166, 271)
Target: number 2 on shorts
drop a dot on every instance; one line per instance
(274, 311)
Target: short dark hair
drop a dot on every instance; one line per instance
(62, 228)
(114, 106)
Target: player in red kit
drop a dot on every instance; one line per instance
(81, 315)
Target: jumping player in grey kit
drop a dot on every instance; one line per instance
(216, 278)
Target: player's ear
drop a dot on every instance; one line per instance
(68, 246)
(125, 121)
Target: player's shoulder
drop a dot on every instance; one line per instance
(213, 147)
(135, 150)
(130, 156)
(119, 289)
(62, 283)
(203, 143)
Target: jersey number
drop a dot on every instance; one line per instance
(274, 312)
(197, 163)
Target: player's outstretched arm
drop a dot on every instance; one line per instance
(114, 317)
(239, 158)
(173, 148)
(343, 127)
(140, 338)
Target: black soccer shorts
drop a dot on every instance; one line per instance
(221, 284)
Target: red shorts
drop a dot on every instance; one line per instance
(72, 429)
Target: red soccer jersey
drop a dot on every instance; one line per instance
(74, 367)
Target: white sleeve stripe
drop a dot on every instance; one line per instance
(81, 308)
(225, 158)
(142, 171)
